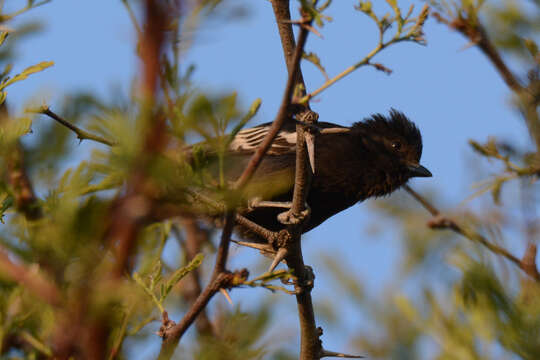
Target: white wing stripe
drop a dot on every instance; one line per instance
(250, 139)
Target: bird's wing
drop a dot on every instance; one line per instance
(248, 140)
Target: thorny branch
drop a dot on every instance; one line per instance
(310, 345)
(221, 278)
(440, 221)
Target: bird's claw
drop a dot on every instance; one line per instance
(288, 218)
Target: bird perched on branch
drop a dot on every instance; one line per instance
(371, 158)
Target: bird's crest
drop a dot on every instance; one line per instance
(396, 124)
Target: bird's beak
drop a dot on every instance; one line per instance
(417, 170)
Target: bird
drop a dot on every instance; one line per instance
(371, 158)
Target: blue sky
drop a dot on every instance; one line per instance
(452, 94)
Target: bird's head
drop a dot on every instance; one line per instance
(395, 144)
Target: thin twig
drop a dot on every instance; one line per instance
(398, 37)
(443, 222)
(133, 18)
(475, 32)
(81, 134)
(280, 119)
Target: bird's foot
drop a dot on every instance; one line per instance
(289, 218)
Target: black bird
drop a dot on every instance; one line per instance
(371, 158)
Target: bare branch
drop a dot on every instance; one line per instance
(473, 30)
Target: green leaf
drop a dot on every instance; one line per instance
(181, 273)
(253, 109)
(7, 202)
(139, 280)
(26, 72)
(155, 275)
(3, 36)
(489, 150)
(367, 8)
(532, 47)
(315, 60)
(13, 130)
(325, 5)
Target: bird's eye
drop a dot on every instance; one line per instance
(396, 145)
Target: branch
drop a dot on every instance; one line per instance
(310, 345)
(443, 222)
(283, 112)
(475, 32)
(221, 277)
(81, 134)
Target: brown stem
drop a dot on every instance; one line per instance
(310, 345)
(475, 32)
(528, 103)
